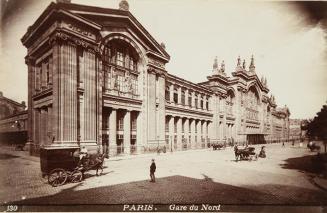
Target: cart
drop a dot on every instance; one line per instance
(60, 164)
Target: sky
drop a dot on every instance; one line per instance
(288, 41)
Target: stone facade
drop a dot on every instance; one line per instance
(97, 78)
(13, 121)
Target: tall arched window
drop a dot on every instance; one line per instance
(230, 102)
(120, 67)
(252, 103)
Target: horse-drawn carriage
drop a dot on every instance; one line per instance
(245, 154)
(313, 147)
(218, 146)
(60, 165)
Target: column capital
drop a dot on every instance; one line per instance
(29, 60)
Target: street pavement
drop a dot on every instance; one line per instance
(195, 176)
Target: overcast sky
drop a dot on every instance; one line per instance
(288, 41)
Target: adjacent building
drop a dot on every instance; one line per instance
(96, 77)
(13, 121)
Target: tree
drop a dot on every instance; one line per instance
(317, 128)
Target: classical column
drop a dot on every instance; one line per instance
(127, 132)
(171, 132)
(191, 132)
(179, 133)
(186, 132)
(31, 77)
(205, 127)
(113, 131)
(139, 133)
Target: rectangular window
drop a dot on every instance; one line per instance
(167, 94)
(183, 98)
(120, 124)
(190, 100)
(183, 126)
(196, 102)
(175, 97)
(120, 58)
(189, 126)
(167, 125)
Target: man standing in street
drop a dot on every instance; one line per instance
(152, 171)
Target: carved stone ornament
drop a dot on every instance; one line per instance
(62, 37)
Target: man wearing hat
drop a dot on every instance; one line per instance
(152, 171)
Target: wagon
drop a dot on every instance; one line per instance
(59, 164)
(245, 154)
(218, 146)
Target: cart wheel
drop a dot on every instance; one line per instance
(76, 176)
(57, 177)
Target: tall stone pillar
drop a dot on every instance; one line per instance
(192, 122)
(179, 133)
(205, 127)
(139, 134)
(186, 132)
(127, 132)
(65, 94)
(31, 69)
(171, 133)
(113, 131)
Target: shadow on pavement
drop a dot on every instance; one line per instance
(4, 156)
(306, 164)
(180, 189)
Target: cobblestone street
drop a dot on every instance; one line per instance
(196, 176)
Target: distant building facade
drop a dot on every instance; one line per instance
(96, 77)
(13, 121)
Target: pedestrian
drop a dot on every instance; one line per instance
(152, 171)
(283, 144)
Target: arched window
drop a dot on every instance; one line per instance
(230, 102)
(120, 67)
(121, 53)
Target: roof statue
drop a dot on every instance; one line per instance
(215, 64)
(239, 61)
(123, 5)
(222, 66)
(238, 65)
(163, 45)
(252, 67)
(244, 65)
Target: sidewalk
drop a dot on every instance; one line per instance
(22, 154)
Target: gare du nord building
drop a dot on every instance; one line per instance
(97, 78)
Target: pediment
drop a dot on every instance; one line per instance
(96, 19)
